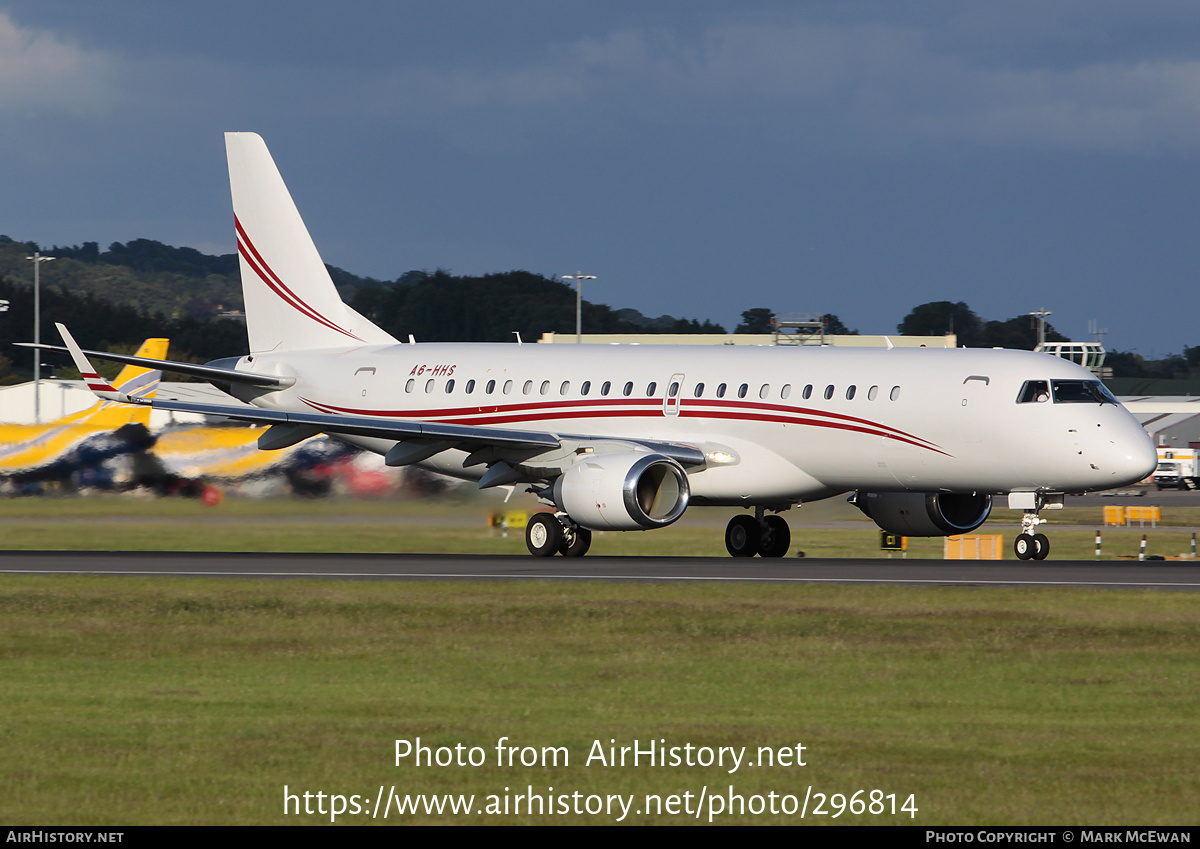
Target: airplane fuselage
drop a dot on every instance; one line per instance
(778, 425)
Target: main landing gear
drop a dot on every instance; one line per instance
(766, 536)
(547, 535)
(1030, 545)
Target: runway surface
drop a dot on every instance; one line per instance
(1163, 575)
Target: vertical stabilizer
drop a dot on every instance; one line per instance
(291, 302)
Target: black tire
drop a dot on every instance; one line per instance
(742, 536)
(1024, 547)
(579, 545)
(776, 539)
(543, 535)
(1041, 546)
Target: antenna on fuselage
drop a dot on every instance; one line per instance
(411, 339)
(517, 333)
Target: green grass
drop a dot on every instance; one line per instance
(144, 701)
(824, 529)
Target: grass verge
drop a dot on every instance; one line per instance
(445, 527)
(144, 701)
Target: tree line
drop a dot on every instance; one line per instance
(117, 297)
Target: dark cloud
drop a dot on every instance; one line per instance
(855, 158)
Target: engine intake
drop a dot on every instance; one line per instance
(925, 514)
(623, 491)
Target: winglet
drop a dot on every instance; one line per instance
(101, 387)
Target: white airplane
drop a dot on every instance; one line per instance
(628, 437)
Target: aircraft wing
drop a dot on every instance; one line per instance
(287, 428)
(465, 435)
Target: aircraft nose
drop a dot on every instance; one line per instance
(1136, 457)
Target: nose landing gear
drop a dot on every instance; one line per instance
(1030, 545)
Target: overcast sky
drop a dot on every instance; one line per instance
(701, 158)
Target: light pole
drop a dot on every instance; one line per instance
(579, 277)
(1040, 317)
(37, 260)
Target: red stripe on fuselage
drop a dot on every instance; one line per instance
(653, 405)
(265, 273)
(638, 408)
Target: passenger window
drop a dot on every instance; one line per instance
(1033, 392)
(565, 388)
(807, 393)
(742, 390)
(764, 391)
(408, 387)
(872, 393)
(850, 390)
(828, 392)
(895, 393)
(606, 387)
(491, 387)
(449, 386)
(527, 388)
(428, 386)
(628, 389)
(721, 391)
(785, 391)
(673, 390)
(586, 388)
(699, 389)
(508, 385)
(470, 386)
(650, 389)
(545, 387)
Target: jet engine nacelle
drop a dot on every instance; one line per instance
(623, 492)
(925, 514)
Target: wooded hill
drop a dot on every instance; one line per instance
(116, 298)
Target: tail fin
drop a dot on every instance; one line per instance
(136, 382)
(290, 299)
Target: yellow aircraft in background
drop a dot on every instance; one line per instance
(227, 453)
(187, 453)
(25, 447)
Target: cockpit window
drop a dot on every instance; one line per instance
(1065, 392)
(1081, 392)
(1034, 391)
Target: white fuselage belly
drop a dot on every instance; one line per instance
(895, 420)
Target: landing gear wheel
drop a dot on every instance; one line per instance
(742, 536)
(1025, 547)
(1041, 546)
(776, 538)
(579, 545)
(543, 535)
